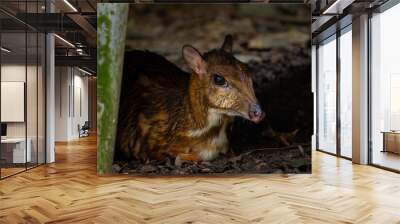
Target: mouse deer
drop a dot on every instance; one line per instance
(165, 111)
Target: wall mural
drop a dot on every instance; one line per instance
(212, 89)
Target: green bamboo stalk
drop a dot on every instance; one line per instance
(111, 30)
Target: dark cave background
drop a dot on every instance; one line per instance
(274, 40)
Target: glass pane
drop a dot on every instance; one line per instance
(346, 94)
(32, 90)
(13, 86)
(41, 98)
(385, 92)
(31, 98)
(327, 96)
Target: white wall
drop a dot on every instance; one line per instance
(16, 72)
(80, 103)
(71, 102)
(13, 101)
(33, 126)
(50, 95)
(62, 81)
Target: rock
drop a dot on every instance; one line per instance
(246, 26)
(260, 166)
(279, 40)
(206, 163)
(195, 169)
(235, 159)
(148, 168)
(205, 170)
(301, 150)
(178, 161)
(245, 58)
(116, 168)
(168, 163)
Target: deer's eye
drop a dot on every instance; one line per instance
(219, 80)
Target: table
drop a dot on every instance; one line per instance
(15, 148)
(391, 141)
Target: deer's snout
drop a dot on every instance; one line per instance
(255, 113)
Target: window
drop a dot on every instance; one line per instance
(327, 95)
(385, 89)
(22, 101)
(346, 92)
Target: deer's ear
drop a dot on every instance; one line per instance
(194, 60)
(227, 45)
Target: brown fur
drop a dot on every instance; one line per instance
(165, 111)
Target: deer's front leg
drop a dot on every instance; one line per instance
(188, 157)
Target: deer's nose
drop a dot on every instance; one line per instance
(255, 113)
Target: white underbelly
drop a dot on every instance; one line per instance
(218, 144)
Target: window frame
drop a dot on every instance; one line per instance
(339, 32)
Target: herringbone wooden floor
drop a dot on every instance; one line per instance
(69, 191)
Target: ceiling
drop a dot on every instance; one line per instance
(74, 22)
(332, 15)
(16, 42)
